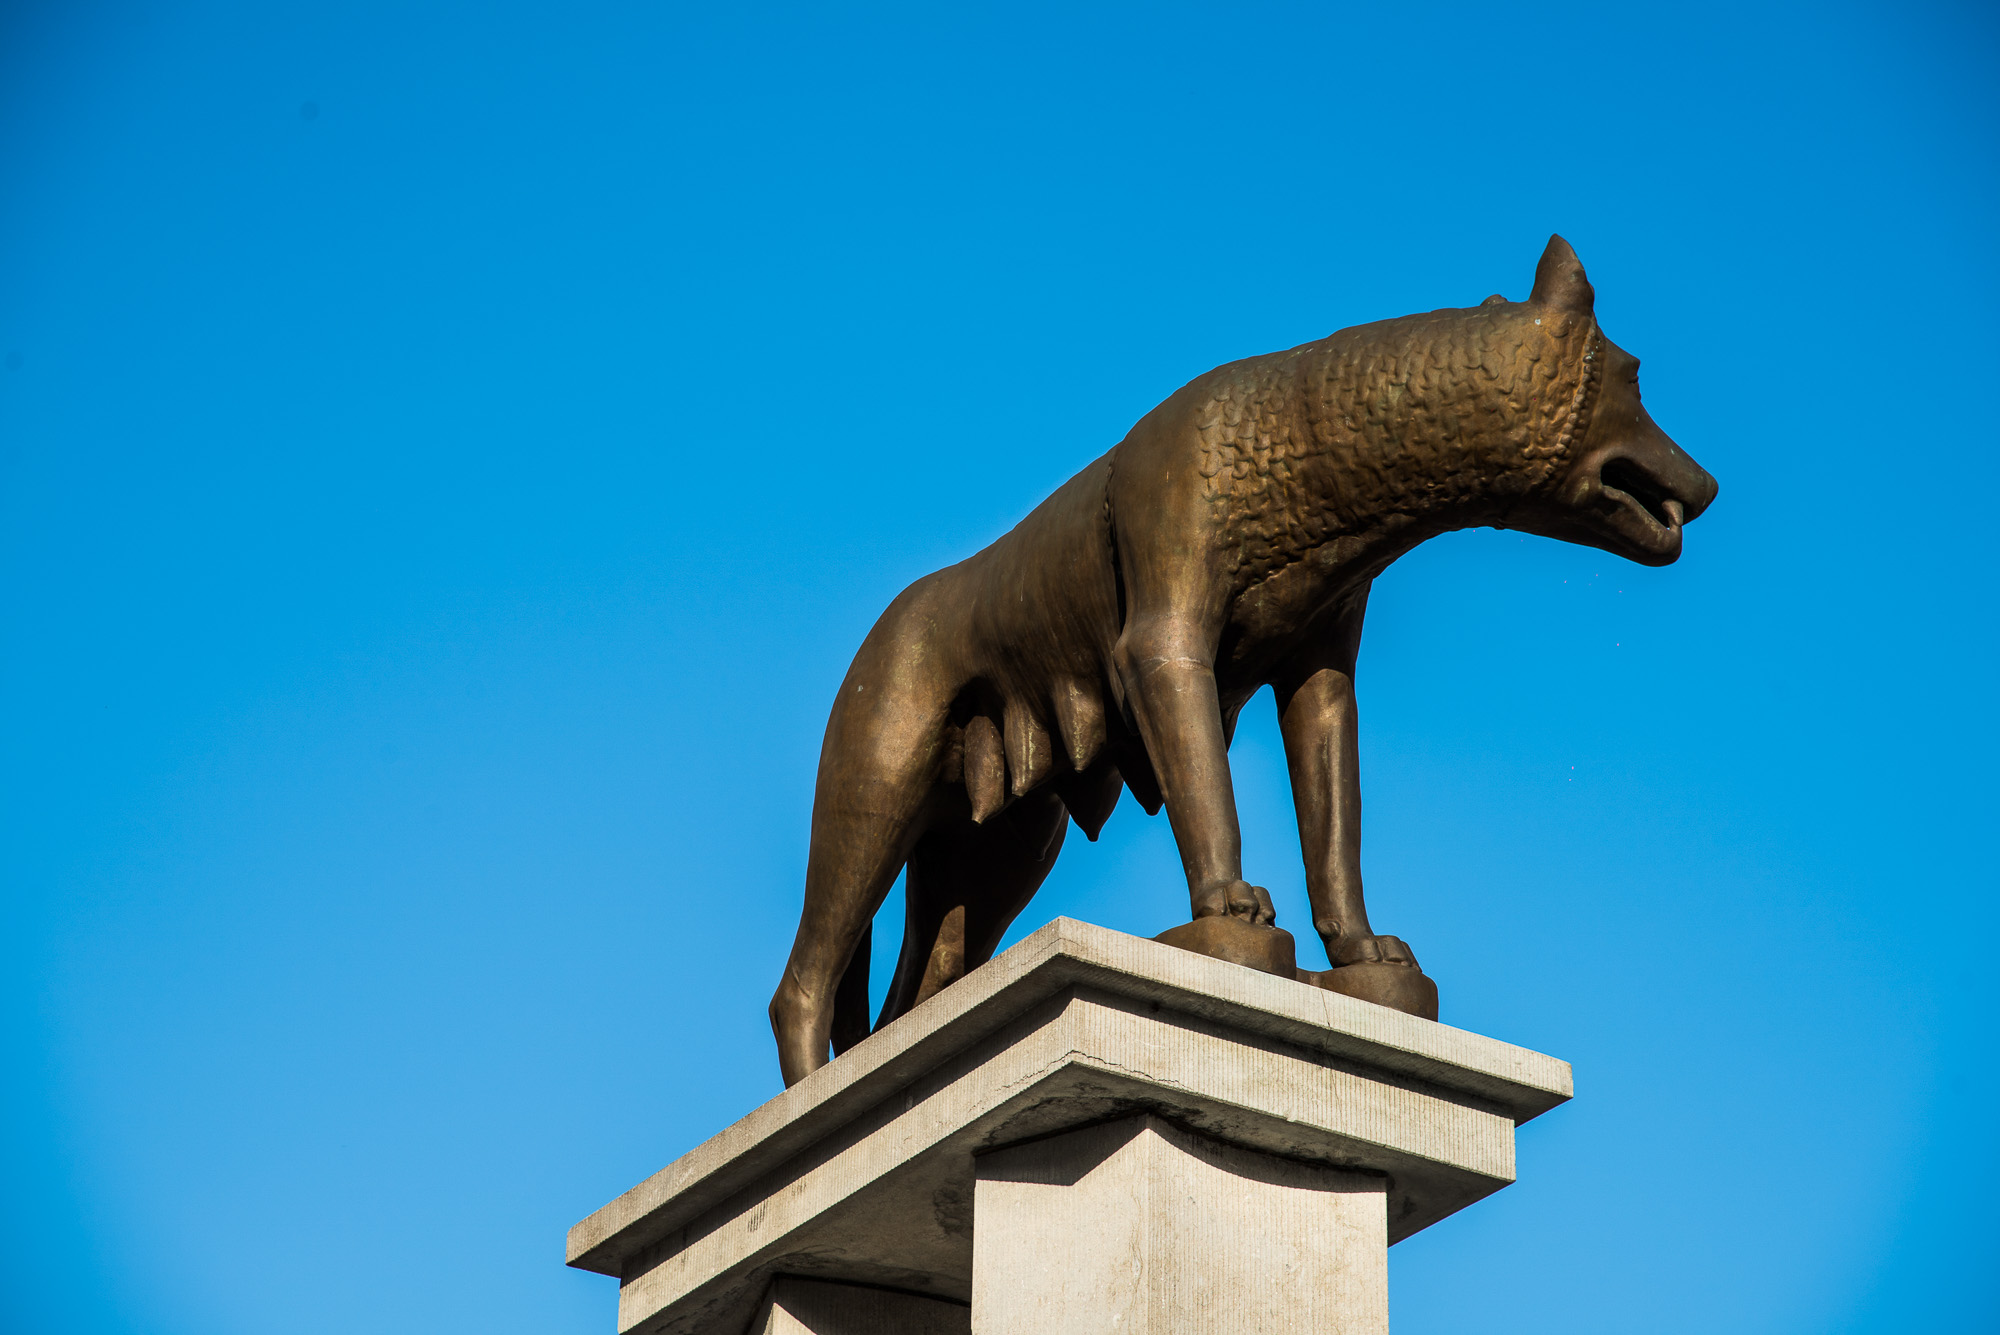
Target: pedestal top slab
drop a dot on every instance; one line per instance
(863, 1171)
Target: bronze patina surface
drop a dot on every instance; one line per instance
(1109, 641)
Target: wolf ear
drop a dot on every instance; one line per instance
(1559, 281)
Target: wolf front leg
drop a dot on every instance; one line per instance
(1166, 664)
(1315, 696)
(1316, 712)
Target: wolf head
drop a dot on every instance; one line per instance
(1624, 485)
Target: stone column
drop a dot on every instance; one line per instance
(1141, 1227)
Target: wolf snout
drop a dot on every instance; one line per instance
(1669, 486)
(1634, 496)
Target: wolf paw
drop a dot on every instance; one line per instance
(1380, 969)
(1238, 899)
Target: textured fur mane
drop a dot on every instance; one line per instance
(1459, 411)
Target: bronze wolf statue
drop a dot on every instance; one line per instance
(1227, 543)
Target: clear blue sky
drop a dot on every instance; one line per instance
(449, 453)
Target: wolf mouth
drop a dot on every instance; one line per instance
(1626, 482)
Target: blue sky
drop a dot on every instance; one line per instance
(449, 452)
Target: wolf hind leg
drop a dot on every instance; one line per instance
(855, 856)
(876, 790)
(850, 998)
(966, 885)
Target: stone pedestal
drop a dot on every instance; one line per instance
(1092, 1132)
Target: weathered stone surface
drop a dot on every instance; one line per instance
(814, 1307)
(1141, 1227)
(864, 1171)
